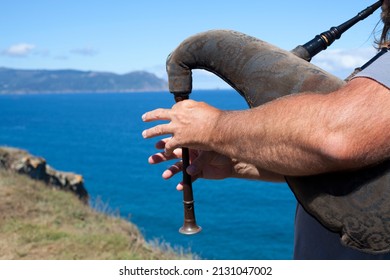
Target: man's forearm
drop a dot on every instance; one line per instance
(272, 138)
(310, 133)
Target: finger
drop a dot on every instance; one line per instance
(171, 146)
(161, 144)
(158, 114)
(173, 170)
(181, 185)
(156, 131)
(161, 157)
(198, 163)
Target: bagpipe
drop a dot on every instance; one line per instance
(356, 203)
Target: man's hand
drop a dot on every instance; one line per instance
(210, 165)
(191, 125)
(203, 164)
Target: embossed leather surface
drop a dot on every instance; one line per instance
(355, 204)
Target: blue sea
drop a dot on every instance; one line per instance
(99, 136)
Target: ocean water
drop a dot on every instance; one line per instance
(99, 136)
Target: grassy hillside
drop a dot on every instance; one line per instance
(39, 222)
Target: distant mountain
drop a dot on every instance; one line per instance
(73, 81)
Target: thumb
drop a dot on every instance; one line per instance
(197, 165)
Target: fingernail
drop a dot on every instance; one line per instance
(180, 187)
(143, 117)
(166, 174)
(144, 134)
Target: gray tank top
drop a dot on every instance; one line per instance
(378, 70)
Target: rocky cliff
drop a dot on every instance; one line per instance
(22, 162)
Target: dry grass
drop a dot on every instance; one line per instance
(38, 222)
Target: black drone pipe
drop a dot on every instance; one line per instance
(325, 39)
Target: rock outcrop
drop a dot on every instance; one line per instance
(22, 162)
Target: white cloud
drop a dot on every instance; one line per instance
(61, 57)
(19, 50)
(341, 61)
(85, 51)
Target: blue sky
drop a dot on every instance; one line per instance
(127, 35)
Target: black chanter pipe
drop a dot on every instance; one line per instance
(257, 70)
(189, 225)
(325, 39)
